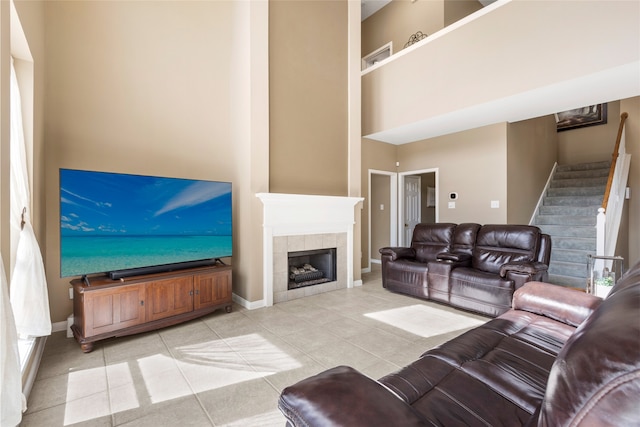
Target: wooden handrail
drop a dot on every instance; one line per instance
(614, 158)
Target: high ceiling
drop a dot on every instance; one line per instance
(369, 7)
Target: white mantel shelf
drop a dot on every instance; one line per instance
(302, 214)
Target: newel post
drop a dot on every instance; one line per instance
(601, 220)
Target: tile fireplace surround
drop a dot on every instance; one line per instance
(295, 222)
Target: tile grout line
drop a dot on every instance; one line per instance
(184, 376)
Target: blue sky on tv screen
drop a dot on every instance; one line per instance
(110, 204)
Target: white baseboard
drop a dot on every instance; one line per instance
(375, 261)
(366, 270)
(59, 326)
(357, 283)
(249, 305)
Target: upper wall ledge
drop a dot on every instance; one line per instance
(513, 60)
(430, 38)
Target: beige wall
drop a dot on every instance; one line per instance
(249, 128)
(427, 213)
(632, 107)
(590, 144)
(380, 218)
(121, 102)
(381, 157)
(472, 163)
(308, 97)
(454, 10)
(398, 20)
(183, 89)
(532, 147)
(138, 87)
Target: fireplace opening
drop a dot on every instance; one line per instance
(313, 267)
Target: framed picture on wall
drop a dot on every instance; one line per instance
(591, 115)
(431, 197)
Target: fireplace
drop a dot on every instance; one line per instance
(311, 247)
(298, 222)
(309, 268)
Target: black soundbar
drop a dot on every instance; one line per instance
(139, 271)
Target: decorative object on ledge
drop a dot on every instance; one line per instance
(415, 38)
(591, 115)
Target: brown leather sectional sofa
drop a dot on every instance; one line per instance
(470, 266)
(559, 357)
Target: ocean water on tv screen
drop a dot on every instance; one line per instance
(97, 254)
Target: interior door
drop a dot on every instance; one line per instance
(411, 206)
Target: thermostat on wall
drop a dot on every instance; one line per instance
(453, 196)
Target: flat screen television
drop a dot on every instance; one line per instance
(123, 225)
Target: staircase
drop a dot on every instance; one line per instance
(568, 214)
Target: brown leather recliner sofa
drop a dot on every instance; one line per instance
(470, 266)
(559, 357)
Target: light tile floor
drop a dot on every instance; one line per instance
(225, 369)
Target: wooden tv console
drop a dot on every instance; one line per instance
(105, 308)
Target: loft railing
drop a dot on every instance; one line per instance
(610, 213)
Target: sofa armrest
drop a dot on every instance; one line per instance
(566, 305)
(531, 268)
(342, 396)
(460, 258)
(398, 253)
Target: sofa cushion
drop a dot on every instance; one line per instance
(497, 245)
(430, 239)
(476, 290)
(320, 400)
(407, 276)
(494, 374)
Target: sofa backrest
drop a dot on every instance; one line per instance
(595, 380)
(430, 239)
(630, 278)
(464, 238)
(497, 245)
(544, 252)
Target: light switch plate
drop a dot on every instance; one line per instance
(452, 205)
(495, 204)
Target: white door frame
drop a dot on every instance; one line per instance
(400, 217)
(393, 209)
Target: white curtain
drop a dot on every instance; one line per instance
(12, 401)
(29, 295)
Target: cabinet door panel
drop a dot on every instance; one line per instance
(212, 289)
(169, 297)
(114, 308)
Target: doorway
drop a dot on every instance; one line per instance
(418, 201)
